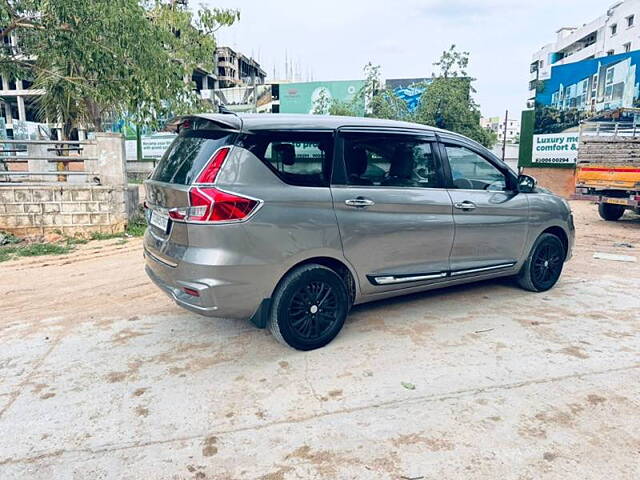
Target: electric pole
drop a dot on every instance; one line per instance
(504, 139)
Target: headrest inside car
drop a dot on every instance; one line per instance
(284, 153)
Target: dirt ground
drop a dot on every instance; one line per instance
(102, 376)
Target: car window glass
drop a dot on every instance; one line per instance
(471, 171)
(188, 154)
(390, 160)
(298, 158)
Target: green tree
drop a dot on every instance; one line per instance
(99, 57)
(322, 103)
(448, 103)
(381, 102)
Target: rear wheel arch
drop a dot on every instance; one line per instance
(338, 266)
(309, 307)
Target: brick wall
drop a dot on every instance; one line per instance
(71, 209)
(561, 181)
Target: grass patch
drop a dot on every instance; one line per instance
(13, 247)
(135, 228)
(105, 236)
(75, 241)
(34, 250)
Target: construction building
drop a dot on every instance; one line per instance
(236, 70)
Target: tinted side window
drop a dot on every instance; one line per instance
(471, 171)
(188, 154)
(298, 158)
(391, 160)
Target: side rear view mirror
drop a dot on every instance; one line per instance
(526, 184)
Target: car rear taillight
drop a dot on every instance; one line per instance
(210, 205)
(210, 171)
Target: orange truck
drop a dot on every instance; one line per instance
(608, 170)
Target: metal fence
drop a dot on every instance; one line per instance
(47, 161)
(610, 129)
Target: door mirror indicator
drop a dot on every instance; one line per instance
(526, 184)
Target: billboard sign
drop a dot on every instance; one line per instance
(409, 89)
(575, 92)
(153, 146)
(300, 97)
(555, 148)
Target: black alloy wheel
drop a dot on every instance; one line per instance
(313, 310)
(547, 264)
(309, 307)
(542, 269)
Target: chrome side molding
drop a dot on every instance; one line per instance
(482, 269)
(395, 279)
(389, 279)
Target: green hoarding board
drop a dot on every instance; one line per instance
(300, 97)
(526, 138)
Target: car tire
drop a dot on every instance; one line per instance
(544, 265)
(309, 307)
(610, 212)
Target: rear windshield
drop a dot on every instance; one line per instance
(188, 154)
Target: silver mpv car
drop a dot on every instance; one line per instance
(289, 220)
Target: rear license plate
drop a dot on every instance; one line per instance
(159, 220)
(617, 201)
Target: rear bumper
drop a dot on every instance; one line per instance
(179, 296)
(219, 295)
(629, 202)
(625, 198)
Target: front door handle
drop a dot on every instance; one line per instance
(467, 206)
(359, 202)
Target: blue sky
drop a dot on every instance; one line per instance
(334, 39)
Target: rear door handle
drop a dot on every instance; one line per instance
(359, 202)
(466, 205)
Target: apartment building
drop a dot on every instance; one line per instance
(235, 69)
(616, 31)
(496, 124)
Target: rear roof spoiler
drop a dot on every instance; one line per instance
(225, 121)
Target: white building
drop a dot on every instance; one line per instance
(617, 31)
(496, 124)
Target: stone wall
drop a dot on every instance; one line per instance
(138, 172)
(70, 209)
(101, 201)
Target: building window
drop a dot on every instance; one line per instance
(630, 20)
(541, 63)
(614, 29)
(627, 47)
(611, 52)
